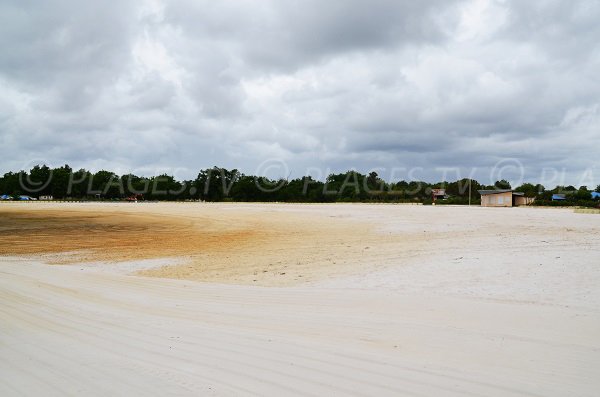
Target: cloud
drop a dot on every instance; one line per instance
(154, 85)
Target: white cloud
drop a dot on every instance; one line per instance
(340, 84)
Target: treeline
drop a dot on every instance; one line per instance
(220, 184)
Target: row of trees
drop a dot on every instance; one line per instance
(220, 184)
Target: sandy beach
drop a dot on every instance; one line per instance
(285, 299)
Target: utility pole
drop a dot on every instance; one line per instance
(469, 192)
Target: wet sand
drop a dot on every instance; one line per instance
(225, 243)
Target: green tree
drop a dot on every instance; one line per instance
(165, 187)
(583, 194)
(214, 184)
(502, 184)
(39, 182)
(79, 184)
(61, 178)
(10, 183)
(530, 189)
(106, 184)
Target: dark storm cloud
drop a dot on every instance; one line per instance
(289, 34)
(52, 43)
(152, 85)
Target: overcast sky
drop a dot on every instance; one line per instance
(176, 86)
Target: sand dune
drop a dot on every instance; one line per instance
(420, 302)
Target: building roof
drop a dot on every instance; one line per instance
(494, 191)
(498, 191)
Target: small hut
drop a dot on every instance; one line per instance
(438, 194)
(503, 198)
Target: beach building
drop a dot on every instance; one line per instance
(438, 194)
(559, 197)
(503, 198)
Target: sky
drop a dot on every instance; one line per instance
(427, 90)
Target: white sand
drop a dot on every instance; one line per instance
(499, 302)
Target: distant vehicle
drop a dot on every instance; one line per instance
(27, 198)
(5, 197)
(135, 198)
